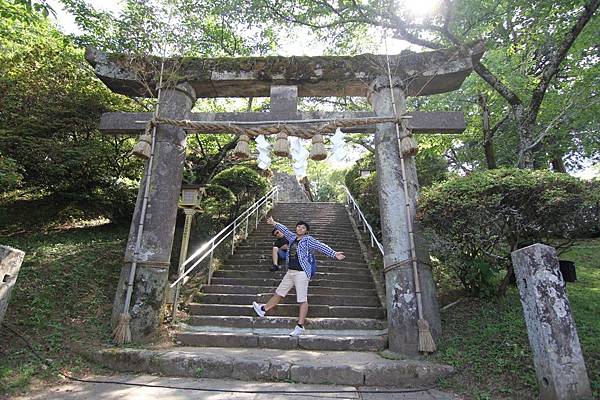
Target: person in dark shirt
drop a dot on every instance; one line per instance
(280, 247)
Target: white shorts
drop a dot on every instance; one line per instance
(297, 279)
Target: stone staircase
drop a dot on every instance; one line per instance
(345, 330)
(344, 314)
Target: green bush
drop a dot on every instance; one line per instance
(478, 220)
(216, 207)
(117, 201)
(367, 197)
(590, 217)
(246, 185)
(10, 174)
(364, 191)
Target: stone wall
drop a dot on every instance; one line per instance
(290, 190)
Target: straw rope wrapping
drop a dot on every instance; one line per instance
(270, 129)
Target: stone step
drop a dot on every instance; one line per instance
(288, 310)
(350, 263)
(318, 229)
(231, 289)
(266, 252)
(345, 236)
(275, 282)
(328, 265)
(265, 266)
(313, 299)
(329, 276)
(312, 324)
(267, 245)
(273, 365)
(328, 262)
(270, 341)
(291, 210)
(327, 227)
(314, 220)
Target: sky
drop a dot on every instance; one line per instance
(67, 22)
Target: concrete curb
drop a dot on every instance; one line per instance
(324, 367)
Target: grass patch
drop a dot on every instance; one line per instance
(63, 296)
(487, 340)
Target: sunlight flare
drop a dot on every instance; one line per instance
(419, 7)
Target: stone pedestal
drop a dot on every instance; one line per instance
(10, 264)
(400, 289)
(557, 357)
(159, 225)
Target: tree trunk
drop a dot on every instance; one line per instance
(525, 128)
(558, 165)
(510, 273)
(488, 141)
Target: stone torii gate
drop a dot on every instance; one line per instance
(285, 79)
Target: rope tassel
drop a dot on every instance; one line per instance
(318, 151)
(426, 342)
(122, 332)
(143, 147)
(409, 147)
(242, 148)
(282, 145)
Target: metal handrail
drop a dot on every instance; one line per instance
(366, 225)
(208, 248)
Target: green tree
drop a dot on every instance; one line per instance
(325, 181)
(540, 70)
(48, 114)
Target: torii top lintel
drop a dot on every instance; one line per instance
(422, 74)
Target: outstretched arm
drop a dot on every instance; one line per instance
(289, 235)
(323, 248)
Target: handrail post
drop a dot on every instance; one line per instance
(246, 231)
(210, 262)
(233, 237)
(256, 218)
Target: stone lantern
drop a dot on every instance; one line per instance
(189, 201)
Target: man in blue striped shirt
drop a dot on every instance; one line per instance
(302, 266)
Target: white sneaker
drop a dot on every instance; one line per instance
(258, 309)
(297, 331)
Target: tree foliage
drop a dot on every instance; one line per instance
(50, 105)
(245, 183)
(540, 71)
(173, 27)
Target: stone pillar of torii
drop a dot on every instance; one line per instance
(285, 79)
